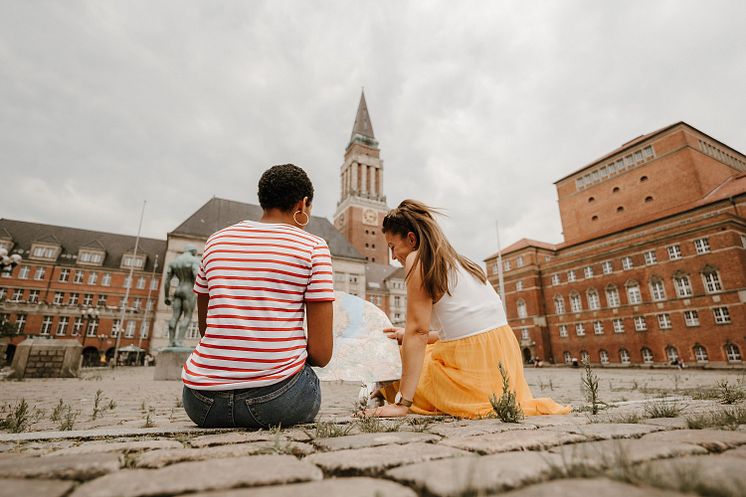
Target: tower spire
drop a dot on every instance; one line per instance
(362, 126)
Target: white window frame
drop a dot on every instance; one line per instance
(721, 315)
(650, 258)
(571, 276)
(683, 286)
(711, 280)
(555, 279)
(594, 301)
(567, 356)
(106, 279)
(563, 330)
(40, 272)
(691, 318)
(647, 355)
(46, 326)
(559, 305)
(618, 325)
(634, 295)
(700, 354)
(521, 308)
(607, 267)
(657, 290)
(78, 277)
(59, 298)
(674, 252)
(598, 328)
(732, 353)
(702, 246)
(603, 356)
(580, 329)
(627, 263)
(588, 271)
(576, 304)
(624, 357)
(62, 326)
(641, 323)
(519, 285)
(612, 297)
(664, 321)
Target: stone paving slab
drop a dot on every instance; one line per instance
(717, 475)
(608, 453)
(231, 437)
(124, 447)
(494, 443)
(201, 476)
(160, 458)
(606, 431)
(34, 488)
(712, 440)
(556, 420)
(103, 433)
(597, 486)
(467, 428)
(678, 423)
(82, 467)
(375, 460)
(337, 487)
(372, 440)
(474, 475)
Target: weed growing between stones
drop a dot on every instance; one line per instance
(730, 394)
(326, 429)
(373, 424)
(663, 409)
(148, 422)
(64, 415)
(112, 404)
(549, 384)
(631, 418)
(420, 425)
(18, 419)
(590, 388)
(728, 418)
(97, 408)
(179, 402)
(506, 407)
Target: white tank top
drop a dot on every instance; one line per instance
(472, 308)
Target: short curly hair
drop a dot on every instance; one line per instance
(283, 186)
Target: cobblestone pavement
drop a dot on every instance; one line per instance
(119, 433)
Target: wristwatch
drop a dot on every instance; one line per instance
(399, 400)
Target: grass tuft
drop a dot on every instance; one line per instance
(506, 407)
(18, 419)
(663, 409)
(728, 418)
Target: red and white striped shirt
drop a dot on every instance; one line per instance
(258, 276)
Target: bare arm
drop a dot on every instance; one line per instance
(203, 300)
(319, 317)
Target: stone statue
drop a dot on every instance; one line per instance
(184, 268)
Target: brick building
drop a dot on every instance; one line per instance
(72, 283)
(653, 265)
(386, 288)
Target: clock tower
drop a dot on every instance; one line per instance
(362, 204)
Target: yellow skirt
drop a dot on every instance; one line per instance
(459, 376)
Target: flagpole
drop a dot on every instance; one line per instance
(127, 288)
(501, 280)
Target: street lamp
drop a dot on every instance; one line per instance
(8, 262)
(88, 314)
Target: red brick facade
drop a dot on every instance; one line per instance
(685, 253)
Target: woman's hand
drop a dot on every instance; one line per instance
(387, 411)
(394, 334)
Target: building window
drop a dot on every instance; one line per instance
(664, 321)
(647, 355)
(33, 296)
(506, 265)
(92, 277)
(711, 280)
(607, 267)
(700, 354)
(92, 328)
(73, 299)
(106, 279)
(563, 330)
(567, 357)
(127, 282)
(555, 279)
(101, 300)
(3, 291)
(683, 285)
(732, 352)
(598, 328)
(627, 263)
(397, 301)
(618, 325)
(571, 276)
(88, 257)
(519, 285)
(141, 283)
(64, 274)
(672, 354)
(153, 284)
(624, 356)
(519, 261)
(580, 329)
(193, 332)
(702, 245)
(612, 296)
(59, 297)
(137, 262)
(144, 329)
(743, 241)
(77, 326)
(691, 318)
(78, 277)
(40, 272)
(604, 356)
(722, 316)
(117, 324)
(41, 252)
(633, 293)
(674, 252)
(640, 323)
(137, 304)
(594, 302)
(650, 257)
(575, 304)
(46, 325)
(657, 290)
(588, 272)
(23, 272)
(521, 305)
(62, 325)
(17, 295)
(130, 331)
(524, 334)
(20, 323)
(88, 299)
(559, 305)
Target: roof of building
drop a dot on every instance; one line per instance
(362, 126)
(522, 244)
(636, 141)
(376, 274)
(218, 213)
(24, 234)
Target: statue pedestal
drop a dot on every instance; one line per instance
(169, 362)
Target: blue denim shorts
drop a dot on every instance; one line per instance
(292, 401)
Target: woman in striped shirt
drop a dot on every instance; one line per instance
(257, 282)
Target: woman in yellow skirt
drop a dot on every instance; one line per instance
(455, 370)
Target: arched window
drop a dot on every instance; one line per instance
(567, 357)
(559, 305)
(594, 303)
(633, 292)
(672, 354)
(612, 296)
(647, 355)
(711, 279)
(682, 284)
(624, 356)
(657, 290)
(575, 303)
(521, 305)
(700, 354)
(732, 352)
(604, 356)
(585, 356)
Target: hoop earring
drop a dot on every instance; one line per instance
(308, 219)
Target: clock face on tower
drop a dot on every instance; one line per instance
(370, 217)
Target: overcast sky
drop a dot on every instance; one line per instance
(478, 106)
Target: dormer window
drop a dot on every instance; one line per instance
(44, 252)
(133, 261)
(90, 257)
